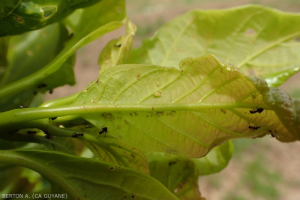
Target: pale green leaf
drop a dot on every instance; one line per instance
(187, 111)
(117, 50)
(256, 39)
(83, 178)
(113, 151)
(216, 160)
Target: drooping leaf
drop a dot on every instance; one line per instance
(216, 160)
(30, 52)
(256, 39)
(83, 178)
(107, 16)
(113, 151)
(117, 50)
(19, 16)
(65, 145)
(190, 110)
(180, 175)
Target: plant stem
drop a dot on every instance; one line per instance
(9, 119)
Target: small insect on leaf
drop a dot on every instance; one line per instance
(50, 91)
(117, 45)
(42, 85)
(254, 127)
(53, 118)
(272, 135)
(104, 130)
(47, 135)
(258, 110)
(75, 135)
(70, 36)
(31, 132)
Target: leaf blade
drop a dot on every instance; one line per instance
(198, 107)
(90, 179)
(245, 36)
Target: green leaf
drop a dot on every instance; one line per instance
(180, 175)
(88, 178)
(19, 16)
(256, 39)
(3, 55)
(64, 145)
(29, 53)
(107, 16)
(216, 160)
(187, 111)
(111, 150)
(117, 50)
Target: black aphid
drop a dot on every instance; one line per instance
(104, 130)
(117, 45)
(272, 135)
(51, 91)
(47, 135)
(53, 118)
(172, 163)
(70, 36)
(42, 85)
(254, 127)
(258, 110)
(31, 132)
(74, 135)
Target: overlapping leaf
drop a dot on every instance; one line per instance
(256, 39)
(19, 16)
(190, 110)
(180, 175)
(113, 151)
(117, 50)
(106, 15)
(3, 55)
(29, 53)
(83, 178)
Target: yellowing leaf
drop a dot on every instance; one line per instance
(202, 104)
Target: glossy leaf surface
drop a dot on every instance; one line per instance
(256, 39)
(19, 16)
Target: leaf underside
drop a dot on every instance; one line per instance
(190, 110)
